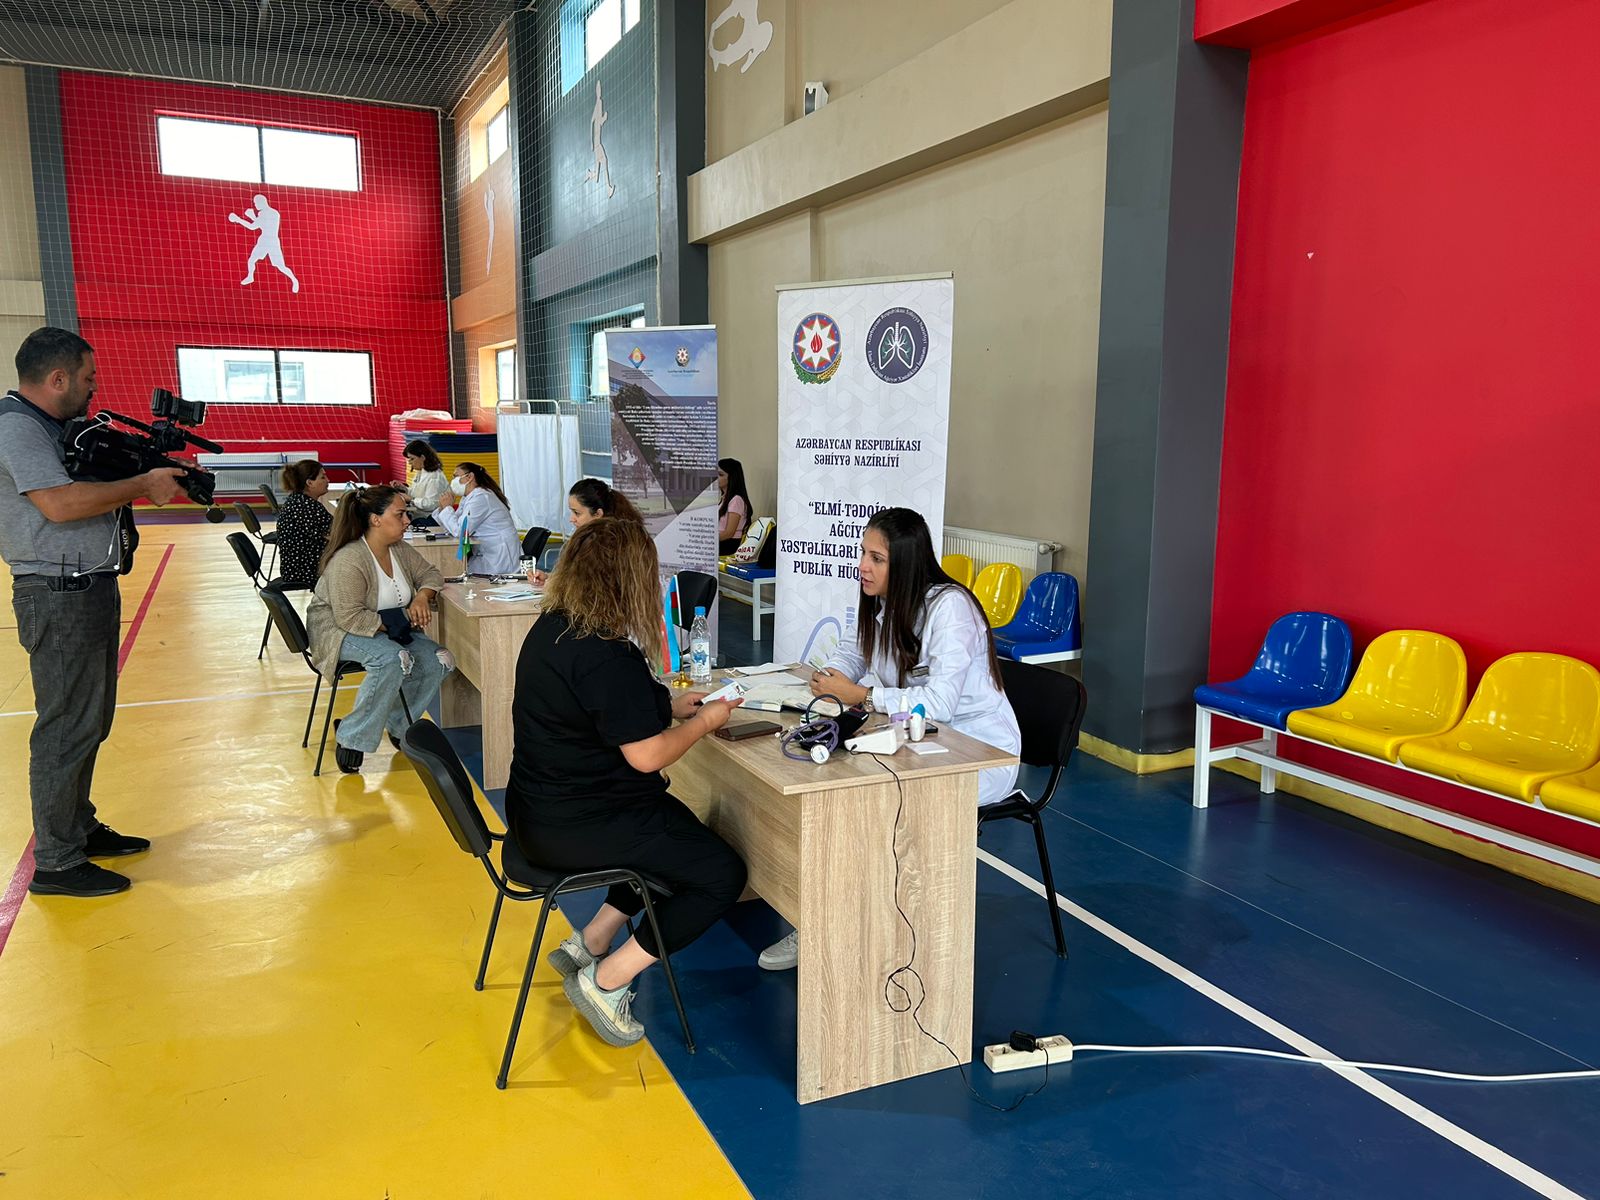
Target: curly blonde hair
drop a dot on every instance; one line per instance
(607, 583)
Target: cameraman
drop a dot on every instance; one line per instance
(62, 541)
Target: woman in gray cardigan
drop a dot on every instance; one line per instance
(367, 572)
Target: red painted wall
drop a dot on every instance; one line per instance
(1412, 415)
(1250, 23)
(158, 264)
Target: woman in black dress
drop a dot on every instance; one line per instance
(303, 522)
(594, 729)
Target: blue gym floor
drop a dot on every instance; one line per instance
(1371, 945)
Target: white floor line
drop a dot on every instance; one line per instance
(1497, 1158)
(28, 712)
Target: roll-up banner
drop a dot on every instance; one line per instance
(863, 424)
(664, 439)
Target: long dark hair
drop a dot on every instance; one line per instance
(483, 479)
(598, 495)
(354, 517)
(421, 449)
(915, 577)
(734, 469)
(296, 475)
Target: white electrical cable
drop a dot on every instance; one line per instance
(1337, 1063)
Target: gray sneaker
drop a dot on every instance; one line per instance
(782, 955)
(610, 1014)
(571, 956)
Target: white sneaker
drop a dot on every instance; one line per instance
(782, 955)
(571, 956)
(610, 1014)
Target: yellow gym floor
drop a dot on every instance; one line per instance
(282, 1006)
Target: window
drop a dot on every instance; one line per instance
(505, 373)
(591, 29)
(599, 373)
(208, 149)
(495, 132)
(218, 375)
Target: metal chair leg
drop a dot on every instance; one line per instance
(311, 713)
(488, 941)
(522, 996)
(333, 694)
(265, 634)
(666, 966)
(1049, 884)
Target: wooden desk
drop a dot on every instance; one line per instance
(485, 636)
(441, 552)
(817, 841)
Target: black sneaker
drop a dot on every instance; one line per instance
(106, 842)
(349, 761)
(85, 879)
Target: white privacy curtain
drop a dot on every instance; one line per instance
(539, 461)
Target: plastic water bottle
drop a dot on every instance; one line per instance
(699, 648)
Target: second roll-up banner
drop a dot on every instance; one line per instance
(863, 424)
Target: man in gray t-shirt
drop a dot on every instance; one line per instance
(61, 540)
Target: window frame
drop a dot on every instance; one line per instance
(258, 127)
(277, 353)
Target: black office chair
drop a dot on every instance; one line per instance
(1049, 708)
(271, 497)
(293, 631)
(533, 543)
(696, 589)
(250, 559)
(451, 789)
(248, 518)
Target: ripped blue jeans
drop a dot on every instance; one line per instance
(420, 668)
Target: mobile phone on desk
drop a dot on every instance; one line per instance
(747, 729)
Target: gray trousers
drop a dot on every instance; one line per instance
(70, 629)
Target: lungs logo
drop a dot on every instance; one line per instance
(897, 343)
(817, 349)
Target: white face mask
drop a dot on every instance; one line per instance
(458, 486)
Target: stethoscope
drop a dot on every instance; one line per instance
(816, 737)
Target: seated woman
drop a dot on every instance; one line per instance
(589, 500)
(921, 638)
(593, 731)
(428, 483)
(303, 522)
(375, 589)
(484, 510)
(733, 514)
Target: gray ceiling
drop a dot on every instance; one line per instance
(415, 52)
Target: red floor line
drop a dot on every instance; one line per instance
(11, 900)
(144, 607)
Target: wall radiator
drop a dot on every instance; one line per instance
(1033, 555)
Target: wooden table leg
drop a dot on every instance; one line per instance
(852, 934)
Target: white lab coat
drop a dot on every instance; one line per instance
(958, 691)
(426, 490)
(496, 549)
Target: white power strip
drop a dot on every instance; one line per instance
(1002, 1057)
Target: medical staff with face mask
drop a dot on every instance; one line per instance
(476, 502)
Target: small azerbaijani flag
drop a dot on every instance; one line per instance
(463, 544)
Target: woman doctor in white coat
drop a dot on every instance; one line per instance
(921, 638)
(476, 500)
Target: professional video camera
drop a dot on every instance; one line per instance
(96, 450)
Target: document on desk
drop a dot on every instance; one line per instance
(512, 591)
(763, 669)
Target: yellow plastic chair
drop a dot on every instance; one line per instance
(1410, 684)
(999, 590)
(1533, 717)
(959, 567)
(1577, 795)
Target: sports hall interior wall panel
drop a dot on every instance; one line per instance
(158, 264)
(1411, 420)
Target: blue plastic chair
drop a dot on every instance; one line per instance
(1305, 662)
(1047, 626)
